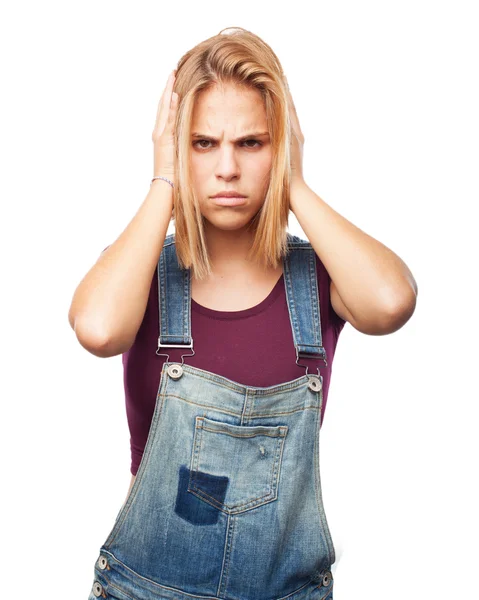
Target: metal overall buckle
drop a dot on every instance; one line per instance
(314, 380)
(175, 370)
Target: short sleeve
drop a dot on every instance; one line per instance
(324, 284)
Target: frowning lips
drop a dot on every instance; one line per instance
(230, 194)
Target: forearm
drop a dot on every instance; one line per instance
(109, 304)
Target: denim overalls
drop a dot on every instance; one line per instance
(227, 500)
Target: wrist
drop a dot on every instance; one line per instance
(163, 178)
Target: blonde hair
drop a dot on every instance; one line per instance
(239, 58)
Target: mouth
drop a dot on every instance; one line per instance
(229, 200)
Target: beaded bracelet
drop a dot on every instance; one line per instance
(160, 177)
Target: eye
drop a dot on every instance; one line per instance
(255, 141)
(199, 141)
(258, 143)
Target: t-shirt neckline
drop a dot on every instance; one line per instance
(240, 314)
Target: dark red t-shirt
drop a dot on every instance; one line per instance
(252, 347)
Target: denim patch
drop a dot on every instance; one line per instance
(195, 510)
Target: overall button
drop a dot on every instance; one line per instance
(327, 578)
(102, 562)
(97, 589)
(314, 383)
(175, 371)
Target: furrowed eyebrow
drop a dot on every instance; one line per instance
(240, 139)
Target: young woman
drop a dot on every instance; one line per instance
(228, 329)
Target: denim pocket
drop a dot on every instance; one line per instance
(236, 467)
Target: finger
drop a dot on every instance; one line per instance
(160, 103)
(164, 100)
(173, 107)
(164, 103)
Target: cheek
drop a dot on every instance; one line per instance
(199, 166)
(263, 175)
(263, 167)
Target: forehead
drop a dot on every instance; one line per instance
(223, 105)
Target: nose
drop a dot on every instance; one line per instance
(227, 166)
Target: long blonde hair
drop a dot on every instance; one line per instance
(239, 58)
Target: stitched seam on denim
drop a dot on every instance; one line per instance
(237, 387)
(134, 574)
(295, 592)
(325, 533)
(292, 306)
(179, 591)
(139, 476)
(259, 393)
(201, 493)
(253, 434)
(165, 293)
(273, 494)
(238, 414)
(120, 590)
(237, 508)
(224, 576)
(186, 293)
(315, 296)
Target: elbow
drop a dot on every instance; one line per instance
(399, 313)
(99, 343)
(387, 319)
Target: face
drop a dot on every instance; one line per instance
(221, 161)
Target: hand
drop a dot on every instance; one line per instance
(297, 141)
(163, 133)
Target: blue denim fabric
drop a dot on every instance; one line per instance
(227, 501)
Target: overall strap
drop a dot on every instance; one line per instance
(174, 300)
(302, 295)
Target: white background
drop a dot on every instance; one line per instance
(387, 97)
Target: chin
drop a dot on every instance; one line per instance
(229, 222)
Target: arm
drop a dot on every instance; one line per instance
(371, 287)
(110, 301)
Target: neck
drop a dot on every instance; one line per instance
(228, 248)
